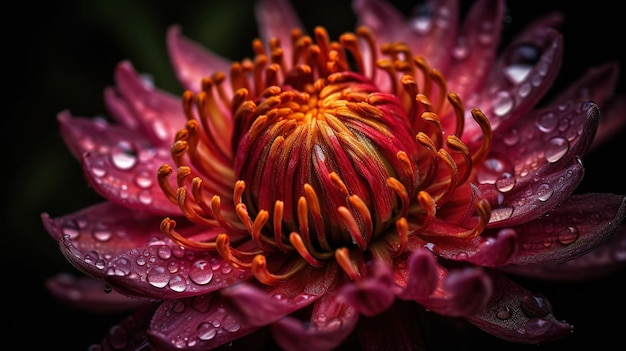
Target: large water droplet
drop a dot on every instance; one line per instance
(164, 252)
(544, 192)
(178, 283)
(158, 276)
(200, 272)
(555, 149)
(124, 155)
(506, 182)
(546, 122)
(503, 103)
(568, 235)
(71, 229)
(520, 62)
(230, 324)
(205, 331)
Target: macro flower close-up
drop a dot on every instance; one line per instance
(376, 188)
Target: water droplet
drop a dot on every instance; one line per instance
(535, 306)
(555, 149)
(205, 331)
(124, 155)
(200, 272)
(422, 18)
(158, 276)
(504, 313)
(118, 337)
(568, 235)
(144, 179)
(71, 229)
(173, 267)
(102, 234)
(544, 192)
(98, 171)
(178, 283)
(230, 324)
(164, 252)
(503, 103)
(506, 182)
(547, 121)
(520, 62)
(141, 261)
(461, 50)
(501, 213)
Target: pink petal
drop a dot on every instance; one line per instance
(461, 292)
(518, 86)
(419, 276)
(535, 164)
(158, 113)
(192, 62)
(515, 314)
(478, 40)
(276, 19)
(200, 323)
(88, 294)
(372, 294)
(330, 324)
(572, 229)
(119, 163)
(261, 307)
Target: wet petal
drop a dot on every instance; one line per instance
(488, 249)
(191, 61)
(372, 294)
(330, 324)
(199, 323)
(605, 259)
(534, 166)
(612, 121)
(515, 314)
(158, 113)
(420, 263)
(578, 225)
(476, 47)
(88, 294)
(597, 84)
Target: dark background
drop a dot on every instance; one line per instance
(62, 54)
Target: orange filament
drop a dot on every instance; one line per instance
(342, 255)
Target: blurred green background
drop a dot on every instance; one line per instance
(62, 54)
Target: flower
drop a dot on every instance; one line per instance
(324, 185)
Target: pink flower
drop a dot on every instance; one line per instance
(328, 187)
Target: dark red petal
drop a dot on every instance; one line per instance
(515, 314)
(597, 84)
(89, 294)
(398, 328)
(330, 324)
(571, 230)
(479, 38)
(160, 114)
(130, 334)
(196, 324)
(418, 276)
(192, 62)
(492, 248)
(461, 292)
(612, 122)
(536, 164)
(605, 259)
(372, 294)
(511, 96)
(261, 307)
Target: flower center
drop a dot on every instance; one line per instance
(325, 165)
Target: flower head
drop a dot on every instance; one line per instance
(324, 181)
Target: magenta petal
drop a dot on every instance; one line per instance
(478, 38)
(159, 114)
(192, 62)
(330, 324)
(130, 334)
(577, 226)
(462, 292)
(88, 294)
(420, 278)
(372, 294)
(492, 248)
(605, 259)
(261, 307)
(515, 314)
(195, 324)
(597, 84)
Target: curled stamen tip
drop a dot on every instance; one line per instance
(165, 170)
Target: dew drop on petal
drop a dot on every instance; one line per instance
(422, 19)
(164, 252)
(544, 192)
(503, 103)
(71, 229)
(158, 276)
(200, 272)
(520, 62)
(568, 235)
(101, 234)
(230, 324)
(504, 313)
(547, 122)
(178, 283)
(124, 155)
(205, 331)
(555, 149)
(141, 261)
(505, 182)
(118, 337)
